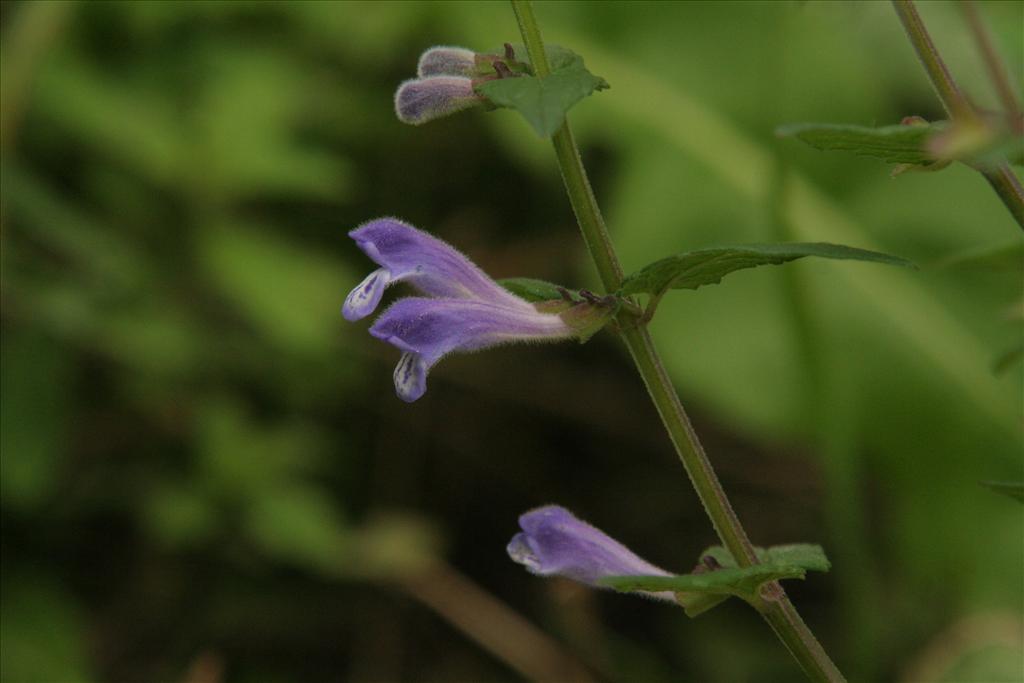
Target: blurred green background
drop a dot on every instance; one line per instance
(206, 475)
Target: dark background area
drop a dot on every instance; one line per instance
(206, 475)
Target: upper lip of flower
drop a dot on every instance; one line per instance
(431, 265)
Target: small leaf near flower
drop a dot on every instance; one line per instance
(804, 555)
(533, 290)
(543, 102)
(718, 577)
(699, 592)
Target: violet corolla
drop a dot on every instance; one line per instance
(463, 310)
(553, 542)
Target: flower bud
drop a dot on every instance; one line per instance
(425, 99)
(553, 542)
(447, 61)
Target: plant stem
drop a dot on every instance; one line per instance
(946, 88)
(775, 605)
(1001, 178)
(1007, 186)
(996, 67)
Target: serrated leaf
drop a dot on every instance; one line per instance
(804, 555)
(695, 269)
(1013, 489)
(531, 289)
(543, 102)
(900, 144)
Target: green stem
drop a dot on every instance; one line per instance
(993, 62)
(1001, 178)
(775, 605)
(945, 87)
(1007, 186)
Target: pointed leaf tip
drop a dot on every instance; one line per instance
(900, 144)
(694, 269)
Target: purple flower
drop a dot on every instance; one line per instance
(432, 266)
(447, 61)
(426, 330)
(554, 542)
(465, 310)
(424, 99)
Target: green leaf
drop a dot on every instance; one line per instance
(532, 290)
(900, 144)
(804, 555)
(1013, 489)
(732, 581)
(694, 269)
(700, 591)
(697, 593)
(543, 102)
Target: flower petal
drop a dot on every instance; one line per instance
(411, 377)
(424, 99)
(429, 264)
(363, 300)
(554, 542)
(434, 328)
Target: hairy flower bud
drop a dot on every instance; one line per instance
(425, 99)
(447, 61)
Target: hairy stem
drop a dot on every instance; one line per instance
(1001, 178)
(775, 605)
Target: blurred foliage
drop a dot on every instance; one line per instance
(205, 473)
